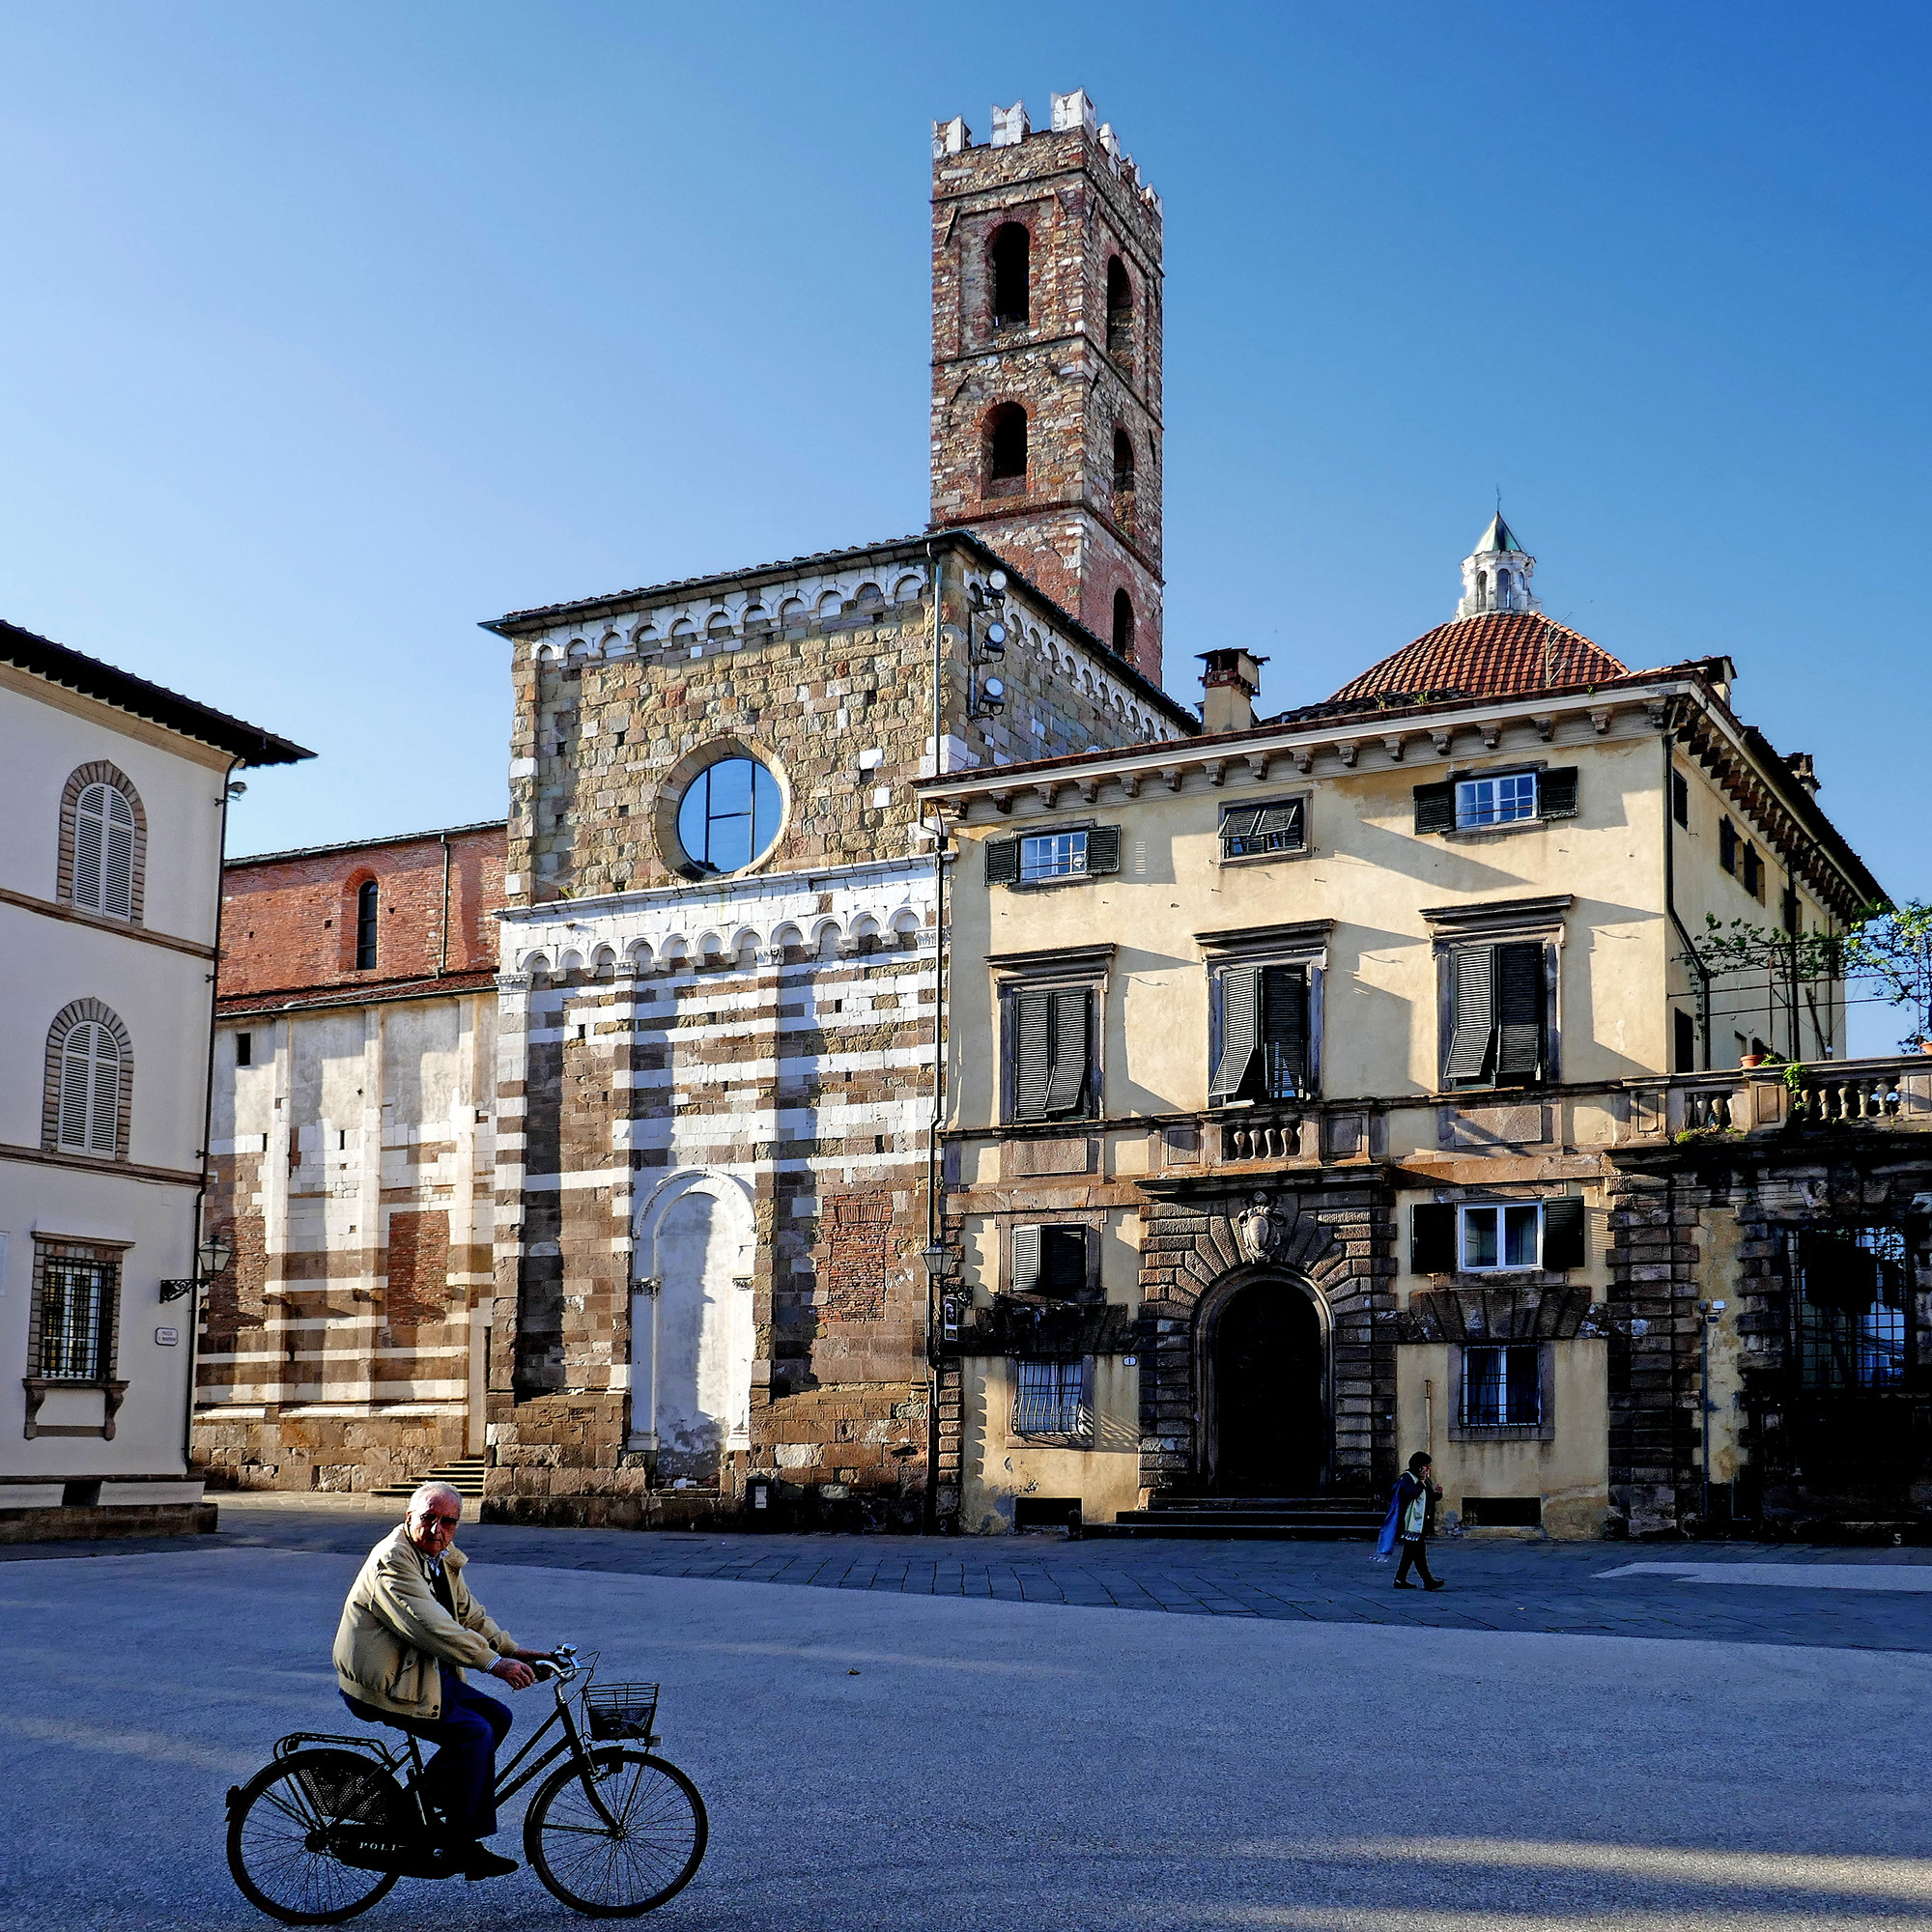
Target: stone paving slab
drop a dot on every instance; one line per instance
(1518, 1584)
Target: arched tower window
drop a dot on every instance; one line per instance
(1012, 256)
(1123, 463)
(1120, 310)
(1123, 623)
(102, 842)
(366, 909)
(1005, 450)
(1481, 587)
(90, 1071)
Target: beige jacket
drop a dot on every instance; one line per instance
(394, 1632)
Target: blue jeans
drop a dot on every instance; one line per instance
(461, 1779)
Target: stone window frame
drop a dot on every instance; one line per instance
(1303, 943)
(664, 813)
(112, 1254)
(1087, 968)
(1092, 1220)
(1500, 923)
(101, 772)
(1544, 1430)
(76, 1013)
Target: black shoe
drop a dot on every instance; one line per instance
(478, 1860)
(1401, 1585)
(1435, 1583)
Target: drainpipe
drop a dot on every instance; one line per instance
(1669, 895)
(934, 1219)
(207, 1128)
(443, 958)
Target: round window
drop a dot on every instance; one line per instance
(729, 815)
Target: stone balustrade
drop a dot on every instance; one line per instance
(1890, 1091)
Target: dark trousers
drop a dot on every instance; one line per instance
(1414, 1550)
(461, 1779)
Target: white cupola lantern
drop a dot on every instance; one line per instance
(1496, 573)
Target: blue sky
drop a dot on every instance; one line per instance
(333, 329)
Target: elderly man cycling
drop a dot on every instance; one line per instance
(409, 1628)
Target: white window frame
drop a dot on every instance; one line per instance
(1500, 1209)
(1069, 855)
(1472, 816)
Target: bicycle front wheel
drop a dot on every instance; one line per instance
(287, 1825)
(641, 1848)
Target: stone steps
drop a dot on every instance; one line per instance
(465, 1476)
(1330, 1517)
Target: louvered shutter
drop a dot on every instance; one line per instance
(1432, 1237)
(1282, 822)
(1032, 1015)
(1472, 1012)
(105, 1100)
(76, 1066)
(1025, 1259)
(1002, 862)
(1103, 848)
(1066, 1084)
(1520, 1010)
(89, 838)
(1239, 825)
(1240, 997)
(1556, 794)
(1284, 1030)
(1564, 1245)
(1434, 808)
(117, 858)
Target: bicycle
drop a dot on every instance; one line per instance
(325, 1828)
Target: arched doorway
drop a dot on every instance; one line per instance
(1267, 1362)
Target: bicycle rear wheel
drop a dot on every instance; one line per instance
(284, 1830)
(651, 1856)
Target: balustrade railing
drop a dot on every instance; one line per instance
(1824, 1093)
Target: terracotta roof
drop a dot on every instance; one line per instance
(1496, 654)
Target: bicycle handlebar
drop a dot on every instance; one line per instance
(561, 1664)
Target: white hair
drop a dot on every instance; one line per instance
(428, 1490)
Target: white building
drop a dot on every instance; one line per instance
(113, 794)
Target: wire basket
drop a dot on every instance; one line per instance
(621, 1710)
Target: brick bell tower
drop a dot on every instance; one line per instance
(1047, 308)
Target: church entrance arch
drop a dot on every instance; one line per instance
(1265, 1363)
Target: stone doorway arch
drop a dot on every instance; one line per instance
(1263, 1357)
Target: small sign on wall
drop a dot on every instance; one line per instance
(167, 1337)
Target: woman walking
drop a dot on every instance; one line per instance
(1411, 1518)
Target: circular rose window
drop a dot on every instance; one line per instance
(728, 815)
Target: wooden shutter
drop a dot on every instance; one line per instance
(1025, 1259)
(1072, 1047)
(1238, 824)
(117, 857)
(1031, 1014)
(1432, 1237)
(1434, 808)
(1520, 1010)
(1556, 793)
(1564, 1243)
(1284, 1030)
(1240, 997)
(1282, 821)
(77, 1061)
(89, 829)
(103, 1109)
(1472, 1012)
(1002, 862)
(1103, 848)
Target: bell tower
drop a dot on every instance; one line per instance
(1496, 573)
(1046, 363)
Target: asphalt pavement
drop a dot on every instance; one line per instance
(913, 1740)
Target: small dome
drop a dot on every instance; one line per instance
(1495, 654)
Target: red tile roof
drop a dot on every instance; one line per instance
(1498, 654)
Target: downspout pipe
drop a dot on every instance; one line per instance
(207, 1124)
(1702, 971)
(934, 1215)
(442, 956)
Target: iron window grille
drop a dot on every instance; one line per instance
(1248, 831)
(1850, 1307)
(1051, 1399)
(77, 1313)
(1502, 1386)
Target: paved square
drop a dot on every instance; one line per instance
(892, 1746)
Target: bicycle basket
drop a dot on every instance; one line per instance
(621, 1710)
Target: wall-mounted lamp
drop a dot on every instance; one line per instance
(212, 1258)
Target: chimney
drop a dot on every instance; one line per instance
(1802, 770)
(1228, 687)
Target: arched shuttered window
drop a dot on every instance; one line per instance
(104, 851)
(365, 925)
(89, 1065)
